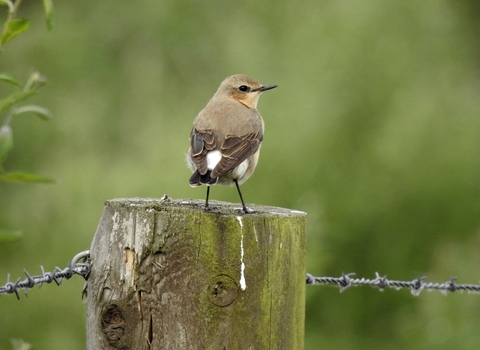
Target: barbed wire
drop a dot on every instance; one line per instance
(416, 286)
(78, 266)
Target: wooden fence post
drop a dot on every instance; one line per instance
(166, 274)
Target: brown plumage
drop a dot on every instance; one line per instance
(227, 134)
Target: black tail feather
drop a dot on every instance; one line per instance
(196, 179)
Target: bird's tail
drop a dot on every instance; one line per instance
(197, 179)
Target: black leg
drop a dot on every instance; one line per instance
(206, 201)
(245, 209)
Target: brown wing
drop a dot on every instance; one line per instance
(201, 141)
(235, 149)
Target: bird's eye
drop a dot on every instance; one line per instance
(244, 88)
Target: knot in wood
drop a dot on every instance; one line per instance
(222, 290)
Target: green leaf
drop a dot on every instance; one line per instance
(10, 78)
(20, 176)
(7, 3)
(6, 141)
(9, 235)
(49, 13)
(43, 113)
(12, 28)
(14, 98)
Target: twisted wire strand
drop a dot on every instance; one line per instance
(78, 266)
(416, 286)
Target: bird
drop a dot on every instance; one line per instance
(226, 136)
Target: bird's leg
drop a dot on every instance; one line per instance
(206, 201)
(245, 209)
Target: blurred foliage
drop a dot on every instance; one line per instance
(21, 345)
(10, 105)
(374, 131)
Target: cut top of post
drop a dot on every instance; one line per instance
(216, 207)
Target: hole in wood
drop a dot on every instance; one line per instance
(113, 325)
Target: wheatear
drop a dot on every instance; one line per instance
(227, 134)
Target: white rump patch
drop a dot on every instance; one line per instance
(213, 157)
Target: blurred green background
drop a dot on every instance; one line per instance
(374, 131)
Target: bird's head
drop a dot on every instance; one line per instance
(243, 89)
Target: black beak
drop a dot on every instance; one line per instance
(267, 87)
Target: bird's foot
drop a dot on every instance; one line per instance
(246, 210)
(210, 208)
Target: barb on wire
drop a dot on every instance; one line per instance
(381, 282)
(79, 266)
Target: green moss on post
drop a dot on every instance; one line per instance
(169, 275)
